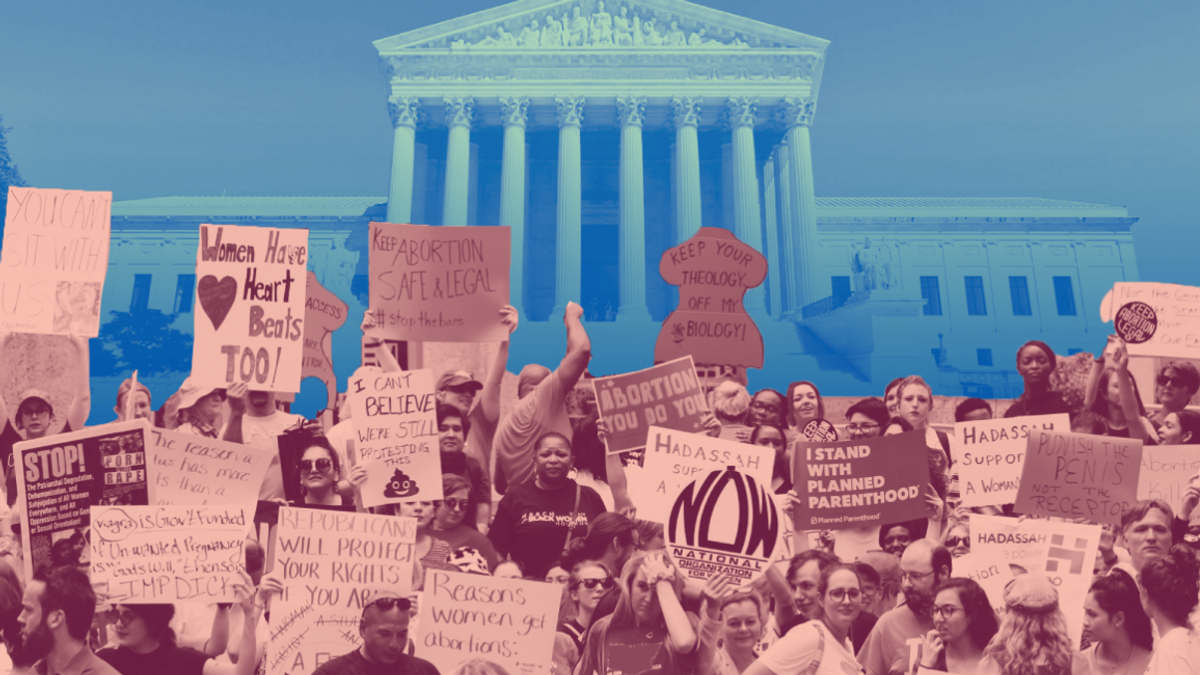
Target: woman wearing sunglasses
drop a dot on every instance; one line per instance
(450, 520)
(963, 624)
(957, 538)
(588, 583)
(1176, 384)
(319, 471)
(821, 645)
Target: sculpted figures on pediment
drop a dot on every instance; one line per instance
(577, 29)
(622, 29)
(531, 35)
(601, 26)
(552, 34)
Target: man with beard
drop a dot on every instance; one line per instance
(453, 432)
(924, 565)
(256, 421)
(56, 614)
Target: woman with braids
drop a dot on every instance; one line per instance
(649, 631)
(963, 624)
(589, 582)
(1169, 588)
(1032, 639)
(1117, 626)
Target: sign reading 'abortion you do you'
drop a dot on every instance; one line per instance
(668, 395)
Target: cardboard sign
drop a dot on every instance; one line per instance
(1064, 552)
(713, 270)
(196, 470)
(249, 320)
(333, 564)
(675, 458)
(160, 554)
(668, 396)
(61, 477)
(991, 455)
(854, 483)
(324, 313)
(991, 575)
(1079, 476)
(1155, 319)
(1166, 473)
(440, 284)
(476, 624)
(395, 423)
(53, 260)
(724, 522)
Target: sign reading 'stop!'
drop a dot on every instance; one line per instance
(713, 270)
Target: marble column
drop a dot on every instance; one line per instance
(787, 249)
(405, 113)
(631, 112)
(513, 170)
(686, 116)
(740, 112)
(460, 112)
(569, 249)
(796, 114)
(771, 228)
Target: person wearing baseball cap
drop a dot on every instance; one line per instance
(198, 409)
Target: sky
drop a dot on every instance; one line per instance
(1080, 100)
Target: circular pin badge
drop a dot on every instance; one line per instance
(819, 431)
(1136, 322)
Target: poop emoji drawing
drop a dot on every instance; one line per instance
(400, 486)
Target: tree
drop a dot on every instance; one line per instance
(141, 340)
(9, 175)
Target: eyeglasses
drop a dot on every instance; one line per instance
(759, 405)
(323, 465)
(1171, 381)
(456, 504)
(954, 542)
(591, 584)
(860, 428)
(840, 594)
(946, 611)
(914, 578)
(36, 412)
(385, 604)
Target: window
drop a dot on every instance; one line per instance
(976, 304)
(1019, 288)
(984, 356)
(1064, 295)
(841, 285)
(360, 286)
(185, 290)
(932, 296)
(141, 292)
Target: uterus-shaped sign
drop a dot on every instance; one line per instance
(713, 270)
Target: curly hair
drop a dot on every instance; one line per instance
(981, 618)
(1032, 643)
(1171, 583)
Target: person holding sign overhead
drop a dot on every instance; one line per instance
(256, 421)
(1115, 398)
(319, 471)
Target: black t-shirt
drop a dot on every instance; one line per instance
(166, 659)
(1049, 403)
(531, 523)
(354, 664)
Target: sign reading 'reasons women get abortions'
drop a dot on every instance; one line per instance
(1079, 476)
(250, 284)
(668, 395)
(440, 284)
(860, 482)
(53, 261)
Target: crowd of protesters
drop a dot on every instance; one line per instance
(875, 600)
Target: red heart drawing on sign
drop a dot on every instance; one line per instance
(216, 297)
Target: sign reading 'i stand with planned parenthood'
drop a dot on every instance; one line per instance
(860, 483)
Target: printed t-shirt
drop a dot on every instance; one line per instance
(354, 664)
(165, 659)
(261, 432)
(793, 652)
(888, 646)
(531, 523)
(636, 652)
(542, 411)
(465, 536)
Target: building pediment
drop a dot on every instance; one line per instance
(591, 25)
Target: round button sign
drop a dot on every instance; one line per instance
(1136, 322)
(819, 431)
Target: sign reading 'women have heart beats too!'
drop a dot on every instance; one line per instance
(250, 291)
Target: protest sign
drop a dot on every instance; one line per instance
(441, 284)
(991, 455)
(251, 290)
(61, 477)
(333, 564)
(1079, 476)
(990, 573)
(1064, 552)
(859, 482)
(675, 458)
(724, 522)
(197, 470)
(395, 422)
(1155, 319)
(476, 624)
(324, 313)
(53, 260)
(668, 396)
(1166, 473)
(160, 554)
(713, 270)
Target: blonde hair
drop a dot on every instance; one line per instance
(1032, 643)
